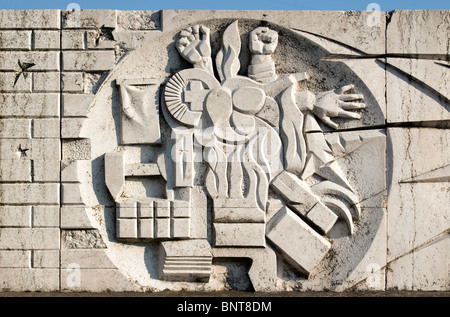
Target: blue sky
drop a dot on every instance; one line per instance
(345, 5)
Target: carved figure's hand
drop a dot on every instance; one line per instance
(193, 44)
(338, 104)
(263, 41)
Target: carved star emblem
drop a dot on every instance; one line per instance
(23, 68)
(104, 33)
(22, 152)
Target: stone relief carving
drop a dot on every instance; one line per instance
(220, 117)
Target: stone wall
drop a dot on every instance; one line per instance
(94, 104)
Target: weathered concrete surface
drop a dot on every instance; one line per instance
(184, 153)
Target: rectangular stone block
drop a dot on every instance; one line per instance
(146, 209)
(130, 40)
(30, 238)
(93, 41)
(15, 259)
(126, 209)
(30, 19)
(417, 89)
(240, 234)
(180, 209)
(95, 280)
(15, 216)
(88, 19)
(46, 82)
(45, 170)
(29, 280)
(29, 194)
(418, 198)
(299, 243)
(76, 105)
(15, 40)
(72, 82)
(15, 128)
(46, 40)
(146, 228)
(16, 170)
(45, 259)
(71, 128)
(7, 80)
(425, 269)
(48, 61)
(46, 128)
(30, 149)
(162, 228)
(88, 61)
(75, 217)
(86, 259)
(72, 39)
(322, 217)
(29, 105)
(45, 216)
(180, 227)
(295, 191)
(138, 20)
(71, 194)
(162, 209)
(126, 229)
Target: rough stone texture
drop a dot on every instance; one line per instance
(224, 150)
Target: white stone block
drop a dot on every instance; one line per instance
(15, 216)
(72, 39)
(71, 194)
(23, 84)
(46, 128)
(126, 229)
(95, 280)
(88, 61)
(418, 201)
(48, 61)
(30, 19)
(88, 18)
(47, 40)
(86, 258)
(30, 193)
(240, 234)
(45, 259)
(44, 170)
(71, 128)
(29, 280)
(425, 269)
(138, 20)
(30, 238)
(46, 216)
(146, 228)
(46, 82)
(15, 40)
(15, 259)
(162, 228)
(33, 105)
(180, 227)
(75, 217)
(72, 82)
(15, 128)
(16, 170)
(299, 243)
(76, 105)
